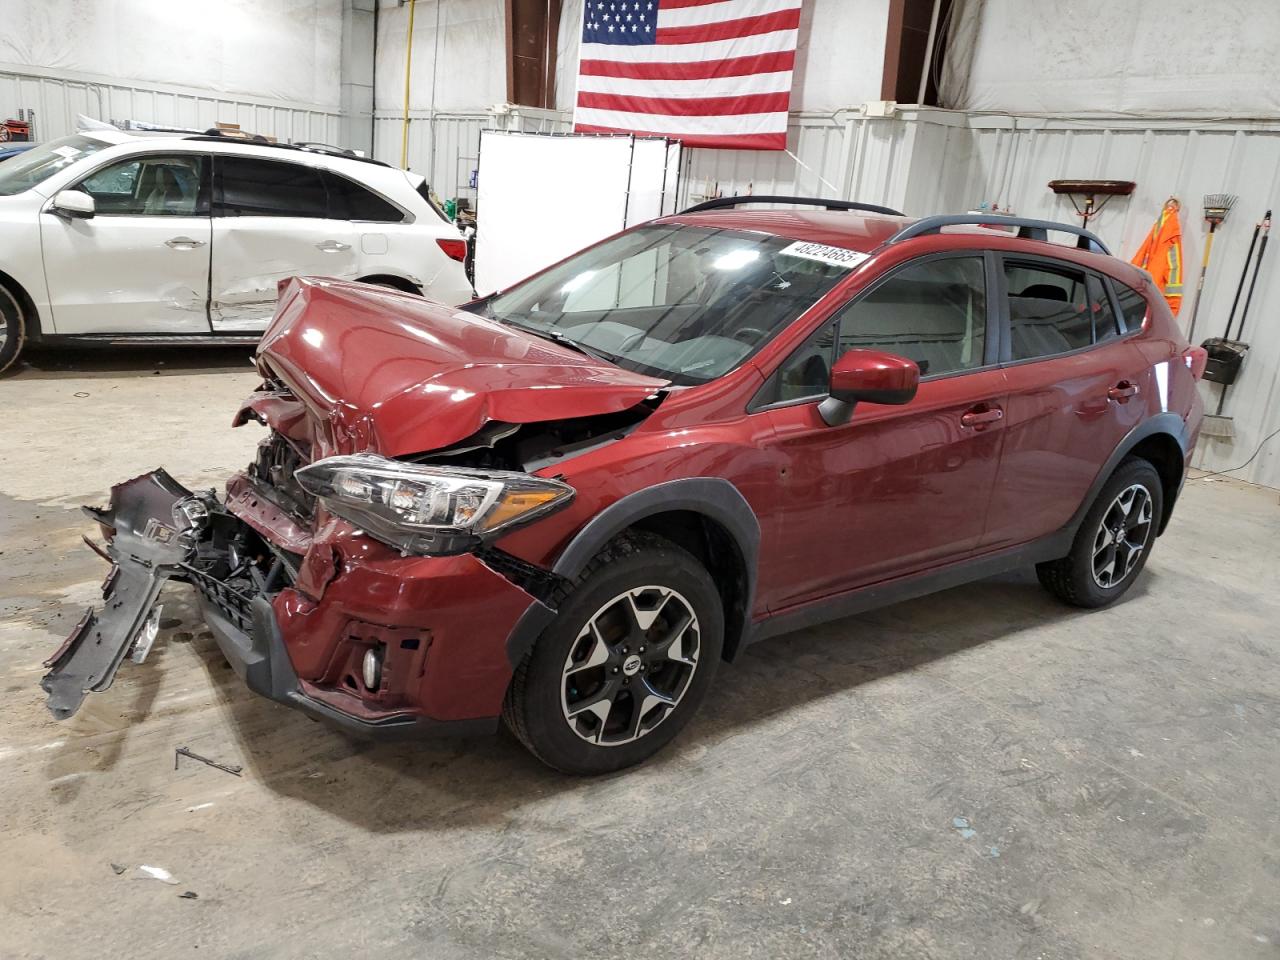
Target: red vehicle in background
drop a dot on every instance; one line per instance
(564, 504)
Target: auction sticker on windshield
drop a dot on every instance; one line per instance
(836, 256)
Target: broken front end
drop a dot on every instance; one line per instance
(344, 572)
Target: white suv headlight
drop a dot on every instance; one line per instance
(425, 509)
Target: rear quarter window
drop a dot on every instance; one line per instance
(348, 200)
(1133, 305)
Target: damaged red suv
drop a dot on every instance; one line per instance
(563, 505)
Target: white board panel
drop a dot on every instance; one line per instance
(541, 198)
(648, 180)
(671, 179)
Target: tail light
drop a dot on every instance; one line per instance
(454, 249)
(1195, 358)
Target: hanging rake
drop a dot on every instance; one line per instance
(1216, 208)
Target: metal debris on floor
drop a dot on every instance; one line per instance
(231, 768)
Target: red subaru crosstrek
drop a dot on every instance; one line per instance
(564, 504)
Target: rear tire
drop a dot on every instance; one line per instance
(13, 329)
(1113, 542)
(625, 664)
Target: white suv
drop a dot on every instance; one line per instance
(116, 237)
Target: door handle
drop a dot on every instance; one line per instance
(332, 246)
(183, 243)
(1122, 391)
(981, 416)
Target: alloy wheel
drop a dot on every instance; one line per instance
(630, 666)
(1123, 534)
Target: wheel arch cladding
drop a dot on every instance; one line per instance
(1161, 441)
(707, 516)
(1164, 453)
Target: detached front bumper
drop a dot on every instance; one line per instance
(439, 626)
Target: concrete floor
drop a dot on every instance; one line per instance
(983, 774)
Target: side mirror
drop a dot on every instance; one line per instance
(73, 204)
(869, 376)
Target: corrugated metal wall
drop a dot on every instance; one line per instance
(456, 144)
(57, 101)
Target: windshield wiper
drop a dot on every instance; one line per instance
(557, 337)
(582, 348)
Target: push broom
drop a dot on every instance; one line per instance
(1226, 354)
(1216, 208)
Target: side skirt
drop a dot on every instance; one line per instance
(150, 339)
(910, 587)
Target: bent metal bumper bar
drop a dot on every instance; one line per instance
(150, 538)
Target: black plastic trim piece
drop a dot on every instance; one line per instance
(1027, 229)
(713, 497)
(151, 339)
(721, 203)
(910, 587)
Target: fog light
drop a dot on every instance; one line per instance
(373, 668)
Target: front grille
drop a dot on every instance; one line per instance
(231, 603)
(274, 467)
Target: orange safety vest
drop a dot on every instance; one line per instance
(1161, 255)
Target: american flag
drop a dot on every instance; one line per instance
(710, 73)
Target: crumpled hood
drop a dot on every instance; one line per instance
(379, 370)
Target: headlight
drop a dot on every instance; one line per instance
(428, 509)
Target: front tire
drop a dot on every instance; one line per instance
(626, 663)
(13, 329)
(1113, 542)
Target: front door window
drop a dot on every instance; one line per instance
(151, 186)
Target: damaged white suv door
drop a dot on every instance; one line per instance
(272, 219)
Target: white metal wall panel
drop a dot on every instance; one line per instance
(57, 102)
(457, 141)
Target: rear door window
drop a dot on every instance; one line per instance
(1049, 310)
(250, 187)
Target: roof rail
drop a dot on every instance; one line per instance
(257, 140)
(721, 202)
(1027, 229)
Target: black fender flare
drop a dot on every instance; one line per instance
(714, 497)
(1167, 423)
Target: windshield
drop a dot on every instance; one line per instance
(681, 302)
(25, 170)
